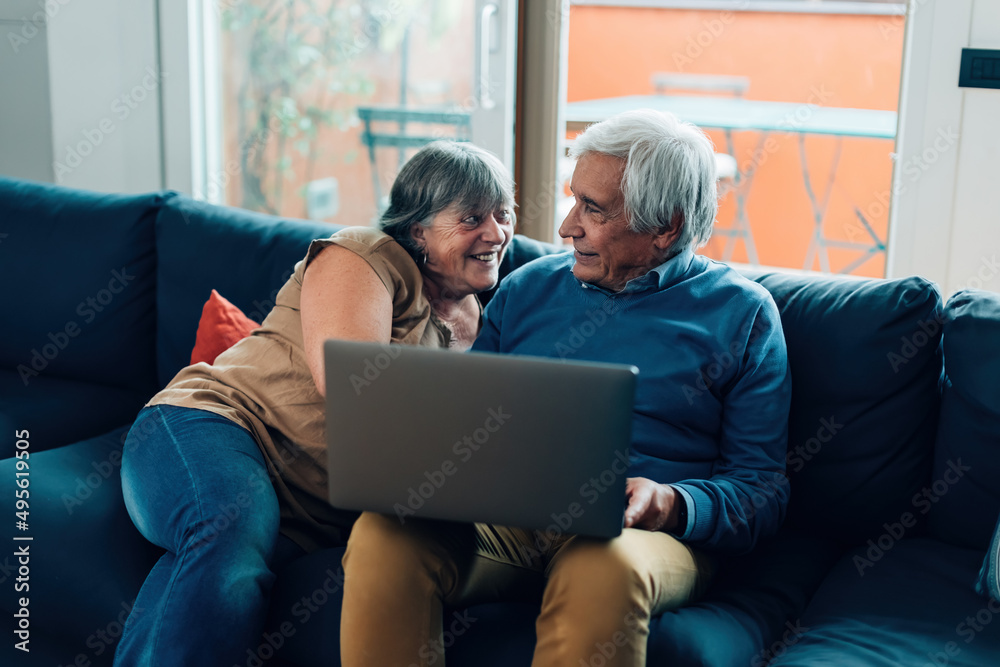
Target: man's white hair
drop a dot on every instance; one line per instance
(669, 173)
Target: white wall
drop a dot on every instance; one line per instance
(945, 223)
(975, 238)
(83, 101)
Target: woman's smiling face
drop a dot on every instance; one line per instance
(464, 249)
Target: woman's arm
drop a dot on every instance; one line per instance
(342, 297)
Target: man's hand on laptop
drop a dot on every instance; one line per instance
(651, 506)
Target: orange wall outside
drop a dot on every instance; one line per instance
(834, 60)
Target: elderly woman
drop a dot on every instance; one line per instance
(708, 434)
(229, 455)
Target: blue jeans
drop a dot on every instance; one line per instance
(196, 484)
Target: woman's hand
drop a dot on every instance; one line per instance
(651, 506)
(342, 297)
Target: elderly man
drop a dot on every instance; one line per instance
(706, 471)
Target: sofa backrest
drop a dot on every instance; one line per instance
(963, 498)
(78, 270)
(866, 363)
(246, 256)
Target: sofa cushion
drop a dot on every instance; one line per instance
(200, 247)
(865, 362)
(754, 601)
(913, 606)
(78, 271)
(87, 558)
(222, 325)
(964, 505)
(57, 411)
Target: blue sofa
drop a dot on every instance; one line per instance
(893, 457)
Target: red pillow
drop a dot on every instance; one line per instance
(222, 325)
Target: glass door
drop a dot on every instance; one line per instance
(321, 101)
(798, 96)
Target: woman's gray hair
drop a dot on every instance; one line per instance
(441, 174)
(669, 175)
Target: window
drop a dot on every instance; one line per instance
(799, 99)
(321, 101)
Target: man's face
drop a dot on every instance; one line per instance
(608, 254)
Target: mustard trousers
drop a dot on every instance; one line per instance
(597, 595)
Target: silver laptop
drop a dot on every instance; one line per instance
(511, 440)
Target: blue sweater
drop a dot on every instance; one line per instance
(712, 398)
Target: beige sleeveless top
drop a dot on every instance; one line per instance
(263, 384)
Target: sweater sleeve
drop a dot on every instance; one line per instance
(488, 339)
(746, 496)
